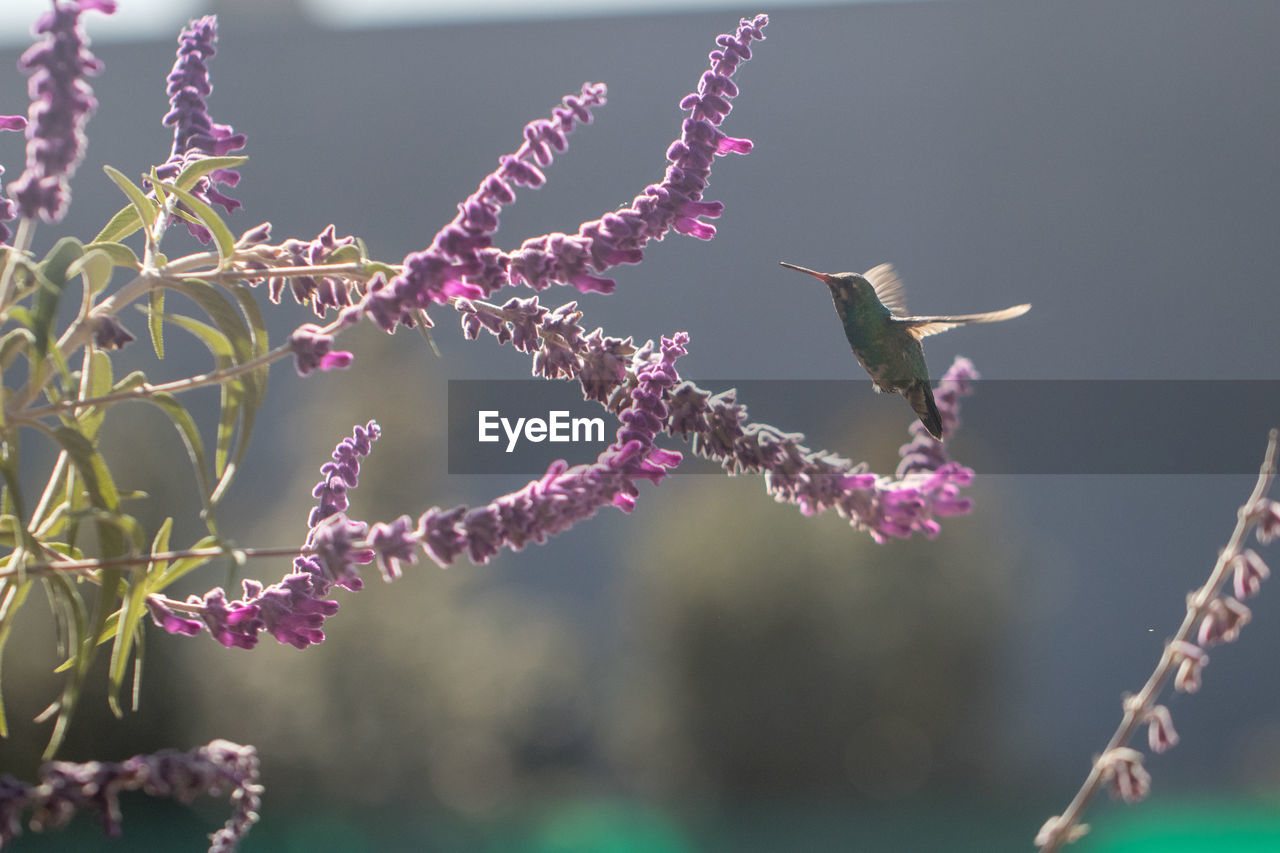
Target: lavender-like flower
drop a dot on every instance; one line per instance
(927, 484)
(195, 135)
(313, 350)
(1216, 618)
(61, 103)
(65, 787)
(109, 334)
(436, 273)
(293, 610)
(461, 261)
(7, 211)
(342, 473)
(564, 495)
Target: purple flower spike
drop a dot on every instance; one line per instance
(619, 237)
(65, 787)
(342, 473)
(195, 135)
(234, 624)
(392, 545)
(61, 103)
(168, 620)
(291, 610)
(313, 349)
(457, 251)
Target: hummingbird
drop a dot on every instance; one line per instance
(886, 340)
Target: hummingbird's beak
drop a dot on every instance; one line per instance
(821, 276)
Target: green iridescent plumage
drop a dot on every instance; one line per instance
(886, 340)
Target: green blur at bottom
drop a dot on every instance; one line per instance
(617, 826)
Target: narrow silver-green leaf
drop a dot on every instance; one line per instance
(199, 168)
(129, 621)
(256, 380)
(13, 593)
(144, 207)
(124, 223)
(52, 278)
(95, 265)
(16, 342)
(120, 254)
(222, 236)
(155, 320)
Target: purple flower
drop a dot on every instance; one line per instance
(195, 135)
(333, 542)
(6, 205)
(1160, 732)
(342, 473)
(1130, 781)
(232, 623)
(927, 483)
(393, 544)
(291, 610)
(168, 620)
(463, 247)
(1268, 520)
(65, 788)
(1248, 572)
(319, 292)
(1191, 663)
(461, 261)
(108, 334)
(313, 348)
(675, 203)
(61, 103)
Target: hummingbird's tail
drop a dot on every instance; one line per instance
(920, 396)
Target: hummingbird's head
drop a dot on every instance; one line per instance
(845, 286)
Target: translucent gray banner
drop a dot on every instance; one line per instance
(1185, 427)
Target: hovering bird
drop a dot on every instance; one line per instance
(886, 340)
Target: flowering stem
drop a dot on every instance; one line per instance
(354, 269)
(213, 377)
(1063, 829)
(142, 559)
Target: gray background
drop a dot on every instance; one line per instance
(1113, 163)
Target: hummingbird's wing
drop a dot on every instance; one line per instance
(888, 287)
(923, 327)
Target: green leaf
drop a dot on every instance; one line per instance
(256, 380)
(129, 621)
(135, 379)
(98, 484)
(199, 168)
(52, 278)
(16, 342)
(190, 434)
(375, 267)
(72, 616)
(120, 254)
(90, 418)
(235, 342)
(344, 255)
(13, 593)
(144, 208)
(222, 236)
(95, 265)
(155, 320)
(124, 223)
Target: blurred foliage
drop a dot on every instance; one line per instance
(777, 656)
